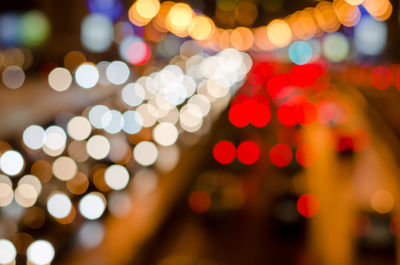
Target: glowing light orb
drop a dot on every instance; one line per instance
(281, 155)
(11, 162)
(98, 147)
(165, 134)
(308, 205)
(60, 79)
(117, 72)
(92, 205)
(64, 168)
(112, 121)
(370, 36)
(55, 138)
(145, 153)
(87, 75)
(133, 122)
(59, 205)
(116, 177)
(382, 201)
(248, 152)
(95, 115)
(40, 252)
(134, 50)
(335, 47)
(97, 33)
(279, 32)
(133, 94)
(224, 152)
(35, 28)
(13, 77)
(7, 252)
(300, 52)
(79, 128)
(33, 137)
(109, 8)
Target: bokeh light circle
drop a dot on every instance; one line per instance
(92, 205)
(116, 177)
(11, 162)
(87, 75)
(224, 152)
(98, 147)
(133, 122)
(165, 134)
(248, 152)
(281, 155)
(79, 128)
(40, 252)
(59, 205)
(33, 137)
(97, 32)
(308, 205)
(145, 153)
(300, 52)
(13, 76)
(335, 47)
(7, 252)
(60, 79)
(117, 72)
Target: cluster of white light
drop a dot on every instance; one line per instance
(55, 140)
(28, 190)
(113, 121)
(178, 98)
(52, 140)
(6, 191)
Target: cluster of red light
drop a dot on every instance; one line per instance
(247, 152)
(297, 110)
(379, 77)
(245, 111)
